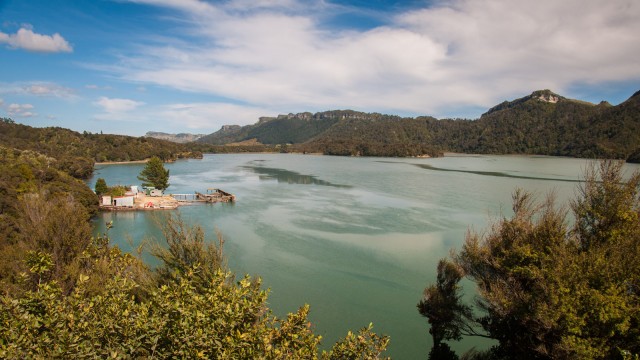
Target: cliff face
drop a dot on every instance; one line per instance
(178, 138)
(545, 96)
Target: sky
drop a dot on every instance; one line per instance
(132, 66)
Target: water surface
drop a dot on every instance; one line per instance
(356, 238)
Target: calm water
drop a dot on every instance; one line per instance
(356, 238)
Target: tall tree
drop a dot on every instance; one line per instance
(442, 306)
(101, 186)
(154, 174)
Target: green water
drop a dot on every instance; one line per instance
(356, 238)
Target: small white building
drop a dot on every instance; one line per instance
(134, 189)
(105, 200)
(155, 192)
(123, 201)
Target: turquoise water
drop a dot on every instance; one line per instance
(356, 238)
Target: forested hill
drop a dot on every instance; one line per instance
(376, 135)
(76, 153)
(542, 123)
(548, 124)
(284, 129)
(337, 132)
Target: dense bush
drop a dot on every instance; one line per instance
(27, 172)
(190, 307)
(548, 290)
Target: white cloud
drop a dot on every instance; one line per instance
(192, 6)
(21, 110)
(37, 88)
(116, 106)
(28, 40)
(97, 87)
(527, 45)
(454, 53)
(1, 102)
(48, 89)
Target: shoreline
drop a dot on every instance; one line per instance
(234, 153)
(121, 162)
(444, 154)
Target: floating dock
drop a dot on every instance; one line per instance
(216, 195)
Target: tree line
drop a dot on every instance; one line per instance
(542, 123)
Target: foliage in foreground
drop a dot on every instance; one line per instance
(191, 307)
(548, 290)
(40, 208)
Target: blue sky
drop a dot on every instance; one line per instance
(132, 66)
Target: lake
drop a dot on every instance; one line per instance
(356, 238)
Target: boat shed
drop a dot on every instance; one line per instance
(105, 200)
(123, 201)
(155, 192)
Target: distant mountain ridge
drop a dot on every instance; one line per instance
(178, 138)
(543, 123)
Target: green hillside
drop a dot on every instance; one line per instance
(76, 153)
(545, 123)
(375, 135)
(284, 129)
(541, 123)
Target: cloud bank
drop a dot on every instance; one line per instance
(282, 55)
(37, 88)
(48, 89)
(28, 40)
(21, 110)
(113, 105)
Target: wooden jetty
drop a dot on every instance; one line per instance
(215, 195)
(186, 197)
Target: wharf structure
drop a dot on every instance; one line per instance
(154, 199)
(216, 195)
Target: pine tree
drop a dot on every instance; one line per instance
(101, 187)
(154, 174)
